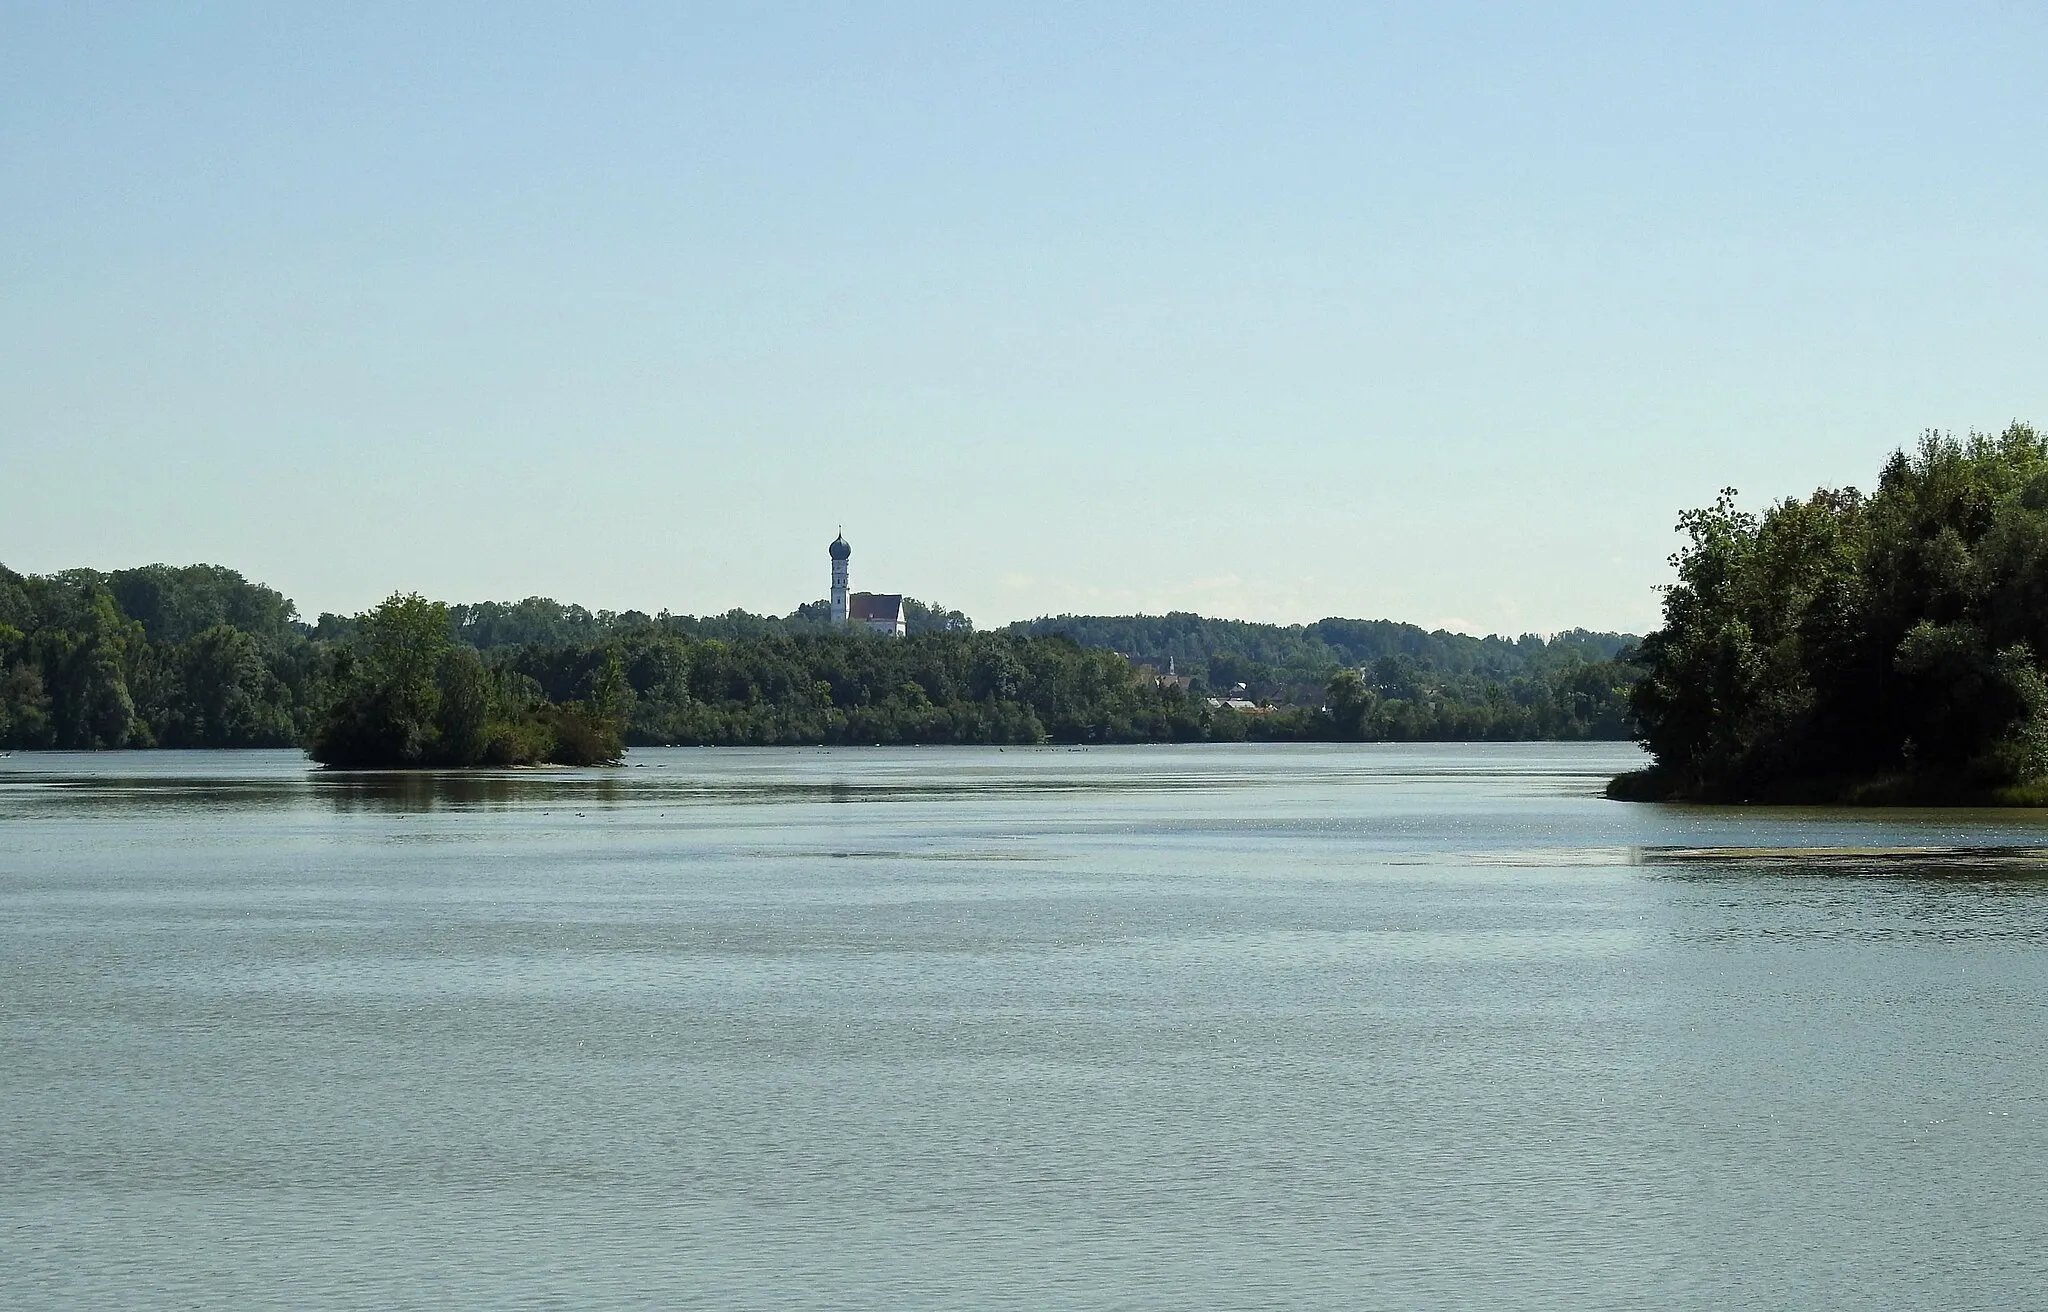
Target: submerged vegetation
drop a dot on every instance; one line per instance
(200, 657)
(1881, 648)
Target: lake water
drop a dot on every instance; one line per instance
(1206, 1027)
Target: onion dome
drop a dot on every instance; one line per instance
(839, 549)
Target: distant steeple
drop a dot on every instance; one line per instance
(839, 552)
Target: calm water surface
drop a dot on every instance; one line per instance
(1161, 1028)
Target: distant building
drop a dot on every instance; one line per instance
(840, 552)
(881, 612)
(1170, 679)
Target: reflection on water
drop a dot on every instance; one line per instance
(2010, 861)
(238, 780)
(424, 791)
(1161, 1027)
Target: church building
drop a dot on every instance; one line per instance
(880, 611)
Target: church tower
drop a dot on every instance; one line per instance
(840, 551)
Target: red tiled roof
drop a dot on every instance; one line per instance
(875, 606)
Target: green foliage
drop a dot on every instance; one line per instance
(830, 686)
(156, 656)
(1397, 700)
(68, 655)
(176, 604)
(198, 657)
(1843, 639)
(1350, 703)
(407, 694)
(920, 617)
(24, 707)
(1274, 659)
(491, 624)
(223, 693)
(544, 622)
(1416, 685)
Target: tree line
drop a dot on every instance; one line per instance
(157, 656)
(1275, 660)
(200, 657)
(1411, 684)
(1852, 647)
(488, 625)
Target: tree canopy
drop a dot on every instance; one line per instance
(192, 657)
(197, 656)
(1852, 647)
(405, 693)
(1223, 653)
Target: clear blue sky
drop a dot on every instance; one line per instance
(1438, 312)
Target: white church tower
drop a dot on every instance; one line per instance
(840, 551)
(876, 612)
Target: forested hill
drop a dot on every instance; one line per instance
(1227, 652)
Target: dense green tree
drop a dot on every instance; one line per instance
(69, 652)
(204, 658)
(1272, 657)
(1852, 646)
(923, 617)
(25, 719)
(1350, 704)
(176, 603)
(388, 688)
(227, 695)
(407, 694)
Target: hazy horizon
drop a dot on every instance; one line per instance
(1437, 313)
